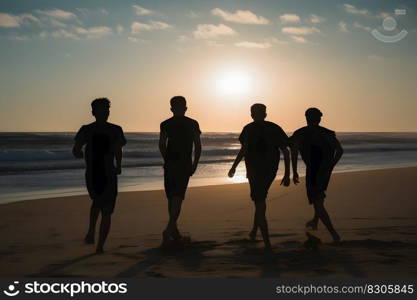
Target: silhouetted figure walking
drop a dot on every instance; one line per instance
(177, 137)
(103, 147)
(261, 143)
(320, 151)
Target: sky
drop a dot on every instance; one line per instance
(57, 56)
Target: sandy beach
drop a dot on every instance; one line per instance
(374, 211)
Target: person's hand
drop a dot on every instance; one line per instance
(296, 178)
(118, 170)
(286, 180)
(232, 172)
(78, 154)
(193, 169)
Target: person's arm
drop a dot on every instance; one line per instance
(118, 153)
(338, 152)
(286, 179)
(77, 149)
(197, 152)
(163, 145)
(294, 160)
(239, 157)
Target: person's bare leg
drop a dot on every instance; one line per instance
(325, 218)
(104, 231)
(253, 232)
(174, 210)
(94, 212)
(260, 209)
(313, 223)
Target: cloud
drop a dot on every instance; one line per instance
(274, 40)
(56, 23)
(356, 11)
(300, 30)
(13, 21)
(94, 32)
(20, 38)
(7, 20)
(363, 27)
(289, 18)
(28, 18)
(138, 27)
(86, 11)
(349, 8)
(183, 38)
(43, 34)
(299, 39)
(58, 14)
(141, 11)
(62, 33)
(209, 31)
(240, 16)
(342, 26)
(253, 45)
(135, 40)
(315, 19)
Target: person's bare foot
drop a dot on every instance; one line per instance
(252, 236)
(89, 239)
(176, 235)
(336, 238)
(268, 249)
(312, 224)
(165, 239)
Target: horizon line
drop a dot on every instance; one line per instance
(207, 132)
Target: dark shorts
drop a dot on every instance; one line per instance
(317, 180)
(259, 185)
(176, 181)
(102, 191)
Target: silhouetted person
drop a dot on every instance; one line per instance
(320, 151)
(261, 143)
(103, 148)
(177, 136)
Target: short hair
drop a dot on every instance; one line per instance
(100, 102)
(258, 107)
(313, 112)
(178, 102)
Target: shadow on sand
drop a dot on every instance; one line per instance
(232, 258)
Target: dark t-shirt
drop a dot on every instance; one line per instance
(263, 141)
(180, 132)
(316, 144)
(101, 141)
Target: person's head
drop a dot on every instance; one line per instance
(178, 105)
(313, 116)
(258, 112)
(101, 109)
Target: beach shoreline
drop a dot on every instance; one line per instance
(375, 212)
(199, 182)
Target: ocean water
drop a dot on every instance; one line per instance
(40, 165)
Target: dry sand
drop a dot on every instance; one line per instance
(374, 211)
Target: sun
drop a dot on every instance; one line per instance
(233, 82)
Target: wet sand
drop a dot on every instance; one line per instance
(374, 211)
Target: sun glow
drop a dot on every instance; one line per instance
(234, 82)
